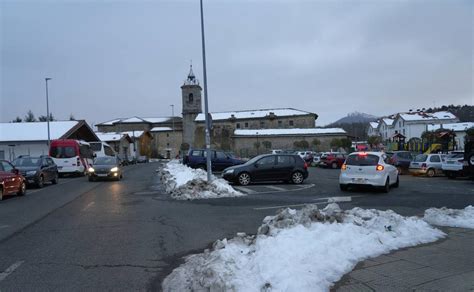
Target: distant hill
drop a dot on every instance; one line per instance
(355, 124)
(356, 117)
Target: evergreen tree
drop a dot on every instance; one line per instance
(30, 117)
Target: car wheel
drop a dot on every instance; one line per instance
(40, 182)
(297, 178)
(244, 179)
(22, 190)
(397, 184)
(430, 172)
(334, 165)
(55, 179)
(343, 187)
(386, 188)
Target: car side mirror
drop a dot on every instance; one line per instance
(15, 171)
(256, 165)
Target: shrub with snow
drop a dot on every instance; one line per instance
(451, 217)
(299, 250)
(185, 183)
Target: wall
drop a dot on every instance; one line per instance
(23, 148)
(244, 146)
(165, 141)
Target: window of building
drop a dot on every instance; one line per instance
(280, 123)
(2, 154)
(262, 124)
(291, 123)
(167, 144)
(238, 125)
(246, 125)
(190, 97)
(167, 134)
(403, 131)
(399, 124)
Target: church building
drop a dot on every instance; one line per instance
(245, 133)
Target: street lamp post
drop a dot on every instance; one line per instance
(47, 110)
(258, 146)
(172, 119)
(206, 110)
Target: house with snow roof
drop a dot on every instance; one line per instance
(32, 138)
(408, 125)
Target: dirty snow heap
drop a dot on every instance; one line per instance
(451, 217)
(185, 183)
(304, 250)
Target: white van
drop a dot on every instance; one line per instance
(102, 149)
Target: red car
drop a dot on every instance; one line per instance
(332, 159)
(11, 181)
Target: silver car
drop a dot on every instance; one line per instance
(427, 164)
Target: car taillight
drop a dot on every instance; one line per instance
(461, 160)
(344, 167)
(423, 165)
(78, 162)
(305, 165)
(379, 167)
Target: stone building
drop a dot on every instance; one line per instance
(284, 128)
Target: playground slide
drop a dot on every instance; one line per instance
(433, 148)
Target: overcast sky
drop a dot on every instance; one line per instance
(113, 59)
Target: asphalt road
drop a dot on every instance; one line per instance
(129, 235)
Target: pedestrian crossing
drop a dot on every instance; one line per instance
(266, 189)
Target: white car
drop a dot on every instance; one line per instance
(452, 166)
(368, 169)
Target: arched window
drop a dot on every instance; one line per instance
(190, 97)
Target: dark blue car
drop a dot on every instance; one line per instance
(220, 160)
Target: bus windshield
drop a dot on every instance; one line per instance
(63, 152)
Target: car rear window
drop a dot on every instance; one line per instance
(362, 160)
(196, 153)
(421, 158)
(455, 155)
(27, 162)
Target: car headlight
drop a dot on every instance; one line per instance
(114, 169)
(90, 169)
(229, 171)
(31, 172)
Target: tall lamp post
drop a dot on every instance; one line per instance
(258, 145)
(172, 119)
(47, 109)
(206, 110)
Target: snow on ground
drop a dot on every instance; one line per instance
(451, 217)
(299, 250)
(185, 183)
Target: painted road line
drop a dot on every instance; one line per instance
(10, 270)
(246, 190)
(88, 206)
(287, 206)
(277, 188)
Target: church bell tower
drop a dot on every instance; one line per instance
(192, 106)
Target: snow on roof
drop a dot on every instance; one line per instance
(374, 125)
(457, 127)
(110, 123)
(296, 131)
(133, 120)
(388, 121)
(158, 119)
(250, 114)
(161, 129)
(35, 131)
(422, 116)
(108, 137)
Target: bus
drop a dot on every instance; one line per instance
(71, 156)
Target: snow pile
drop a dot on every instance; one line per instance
(451, 217)
(304, 250)
(185, 183)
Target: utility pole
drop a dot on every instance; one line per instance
(47, 110)
(206, 110)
